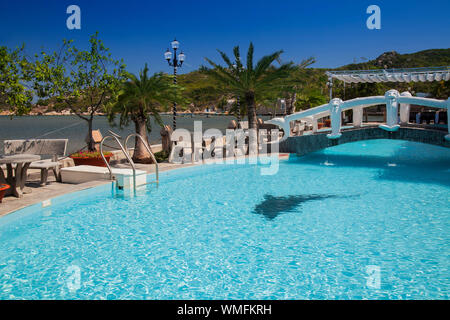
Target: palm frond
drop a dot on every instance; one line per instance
(250, 58)
(226, 59)
(144, 95)
(265, 62)
(222, 75)
(306, 62)
(237, 56)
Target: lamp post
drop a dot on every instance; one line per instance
(238, 98)
(175, 62)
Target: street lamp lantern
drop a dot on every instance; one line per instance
(181, 57)
(176, 62)
(168, 55)
(175, 44)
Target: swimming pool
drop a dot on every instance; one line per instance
(360, 220)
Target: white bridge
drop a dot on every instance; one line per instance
(395, 102)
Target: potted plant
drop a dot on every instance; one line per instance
(90, 158)
(3, 188)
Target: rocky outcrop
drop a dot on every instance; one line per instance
(387, 60)
(38, 110)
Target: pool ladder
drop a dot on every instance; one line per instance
(125, 151)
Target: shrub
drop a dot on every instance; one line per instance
(161, 156)
(90, 154)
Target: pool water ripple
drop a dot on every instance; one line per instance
(197, 236)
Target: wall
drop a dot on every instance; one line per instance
(302, 145)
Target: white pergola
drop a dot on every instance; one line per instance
(389, 75)
(395, 102)
(393, 75)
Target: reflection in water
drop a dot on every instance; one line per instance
(409, 162)
(272, 206)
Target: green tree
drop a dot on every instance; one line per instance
(199, 91)
(251, 82)
(441, 90)
(294, 83)
(140, 99)
(86, 81)
(309, 99)
(15, 94)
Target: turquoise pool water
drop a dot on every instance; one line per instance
(361, 220)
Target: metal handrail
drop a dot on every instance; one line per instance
(125, 152)
(148, 149)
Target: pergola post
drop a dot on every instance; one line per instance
(405, 109)
(315, 124)
(358, 116)
(336, 119)
(391, 111)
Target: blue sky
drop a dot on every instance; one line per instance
(334, 32)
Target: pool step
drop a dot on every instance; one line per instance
(81, 174)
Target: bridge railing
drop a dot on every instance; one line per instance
(396, 104)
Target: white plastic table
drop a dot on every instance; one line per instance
(16, 177)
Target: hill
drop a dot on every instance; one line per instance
(312, 83)
(393, 59)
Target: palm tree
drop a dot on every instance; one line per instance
(293, 84)
(139, 100)
(250, 82)
(238, 110)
